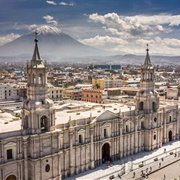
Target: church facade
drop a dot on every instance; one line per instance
(47, 146)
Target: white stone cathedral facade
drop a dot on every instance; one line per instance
(48, 146)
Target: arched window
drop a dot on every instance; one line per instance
(154, 137)
(11, 177)
(105, 133)
(26, 122)
(40, 79)
(141, 106)
(155, 119)
(151, 76)
(34, 79)
(44, 125)
(80, 138)
(170, 119)
(154, 106)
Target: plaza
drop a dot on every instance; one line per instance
(155, 163)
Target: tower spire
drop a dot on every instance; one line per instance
(147, 62)
(36, 58)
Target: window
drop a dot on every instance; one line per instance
(26, 122)
(47, 168)
(80, 138)
(9, 154)
(141, 106)
(44, 123)
(127, 128)
(142, 125)
(155, 119)
(154, 106)
(105, 133)
(170, 119)
(154, 137)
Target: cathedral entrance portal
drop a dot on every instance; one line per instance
(11, 177)
(105, 153)
(170, 136)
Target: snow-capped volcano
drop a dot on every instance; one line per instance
(48, 30)
(52, 42)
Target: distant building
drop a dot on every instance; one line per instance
(92, 95)
(106, 83)
(108, 66)
(9, 91)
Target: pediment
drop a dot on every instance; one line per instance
(106, 125)
(10, 144)
(81, 131)
(107, 115)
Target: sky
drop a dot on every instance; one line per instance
(119, 26)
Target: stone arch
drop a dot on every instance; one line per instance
(106, 155)
(170, 136)
(11, 177)
(44, 123)
(141, 106)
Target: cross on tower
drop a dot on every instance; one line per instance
(36, 40)
(147, 47)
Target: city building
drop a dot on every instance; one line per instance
(104, 83)
(53, 141)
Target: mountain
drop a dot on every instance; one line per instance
(52, 42)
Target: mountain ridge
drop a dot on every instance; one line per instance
(52, 41)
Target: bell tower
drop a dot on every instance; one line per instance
(147, 99)
(38, 113)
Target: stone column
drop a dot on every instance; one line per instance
(71, 153)
(120, 141)
(136, 136)
(25, 144)
(124, 146)
(59, 165)
(139, 141)
(92, 148)
(132, 145)
(177, 123)
(164, 129)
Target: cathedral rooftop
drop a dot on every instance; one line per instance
(74, 111)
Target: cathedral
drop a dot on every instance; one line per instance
(52, 142)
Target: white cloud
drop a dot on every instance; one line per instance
(32, 26)
(136, 25)
(130, 34)
(50, 20)
(104, 41)
(67, 4)
(52, 3)
(8, 38)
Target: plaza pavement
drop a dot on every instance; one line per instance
(150, 162)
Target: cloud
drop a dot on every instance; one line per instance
(31, 27)
(130, 34)
(8, 38)
(104, 41)
(66, 4)
(50, 20)
(51, 2)
(137, 25)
